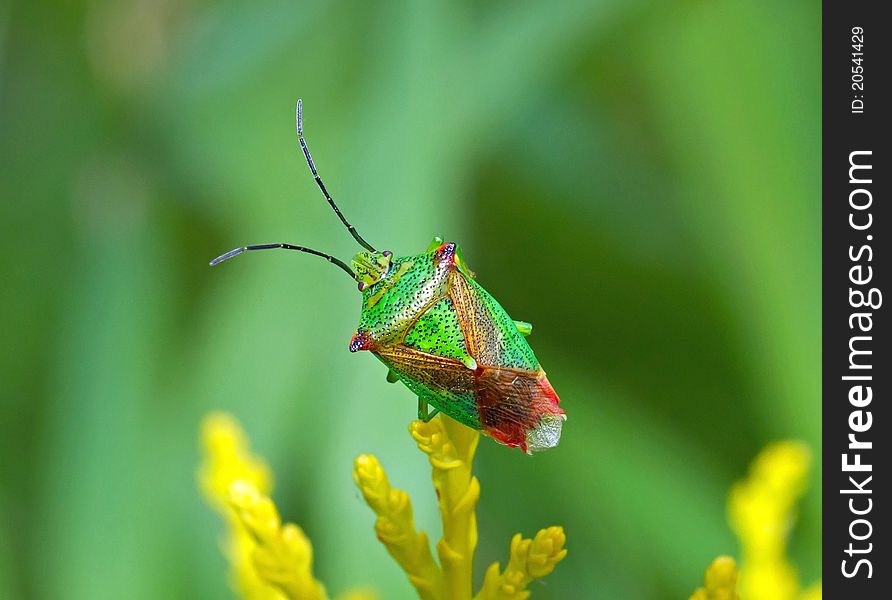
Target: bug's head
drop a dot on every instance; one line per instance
(370, 267)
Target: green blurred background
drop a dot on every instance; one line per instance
(638, 179)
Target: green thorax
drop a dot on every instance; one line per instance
(392, 303)
(435, 306)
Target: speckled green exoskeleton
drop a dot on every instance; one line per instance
(445, 337)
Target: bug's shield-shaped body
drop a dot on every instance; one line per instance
(450, 342)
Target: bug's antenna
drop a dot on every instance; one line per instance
(327, 257)
(312, 165)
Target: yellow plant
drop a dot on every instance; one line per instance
(282, 555)
(269, 560)
(272, 561)
(762, 511)
(227, 460)
(720, 582)
(450, 449)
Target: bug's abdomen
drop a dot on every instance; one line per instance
(515, 407)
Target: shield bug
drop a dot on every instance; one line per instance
(444, 337)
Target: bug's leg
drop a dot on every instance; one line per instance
(391, 376)
(524, 327)
(461, 264)
(425, 414)
(435, 243)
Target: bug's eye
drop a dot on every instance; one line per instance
(387, 253)
(361, 286)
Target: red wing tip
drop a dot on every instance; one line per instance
(544, 436)
(548, 390)
(519, 409)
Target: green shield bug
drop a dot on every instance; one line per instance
(444, 337)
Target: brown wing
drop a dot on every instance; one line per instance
(481, 336)
(518, 408)
(490, 334)
(445, 383)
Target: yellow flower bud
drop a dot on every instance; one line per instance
(720, 582)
